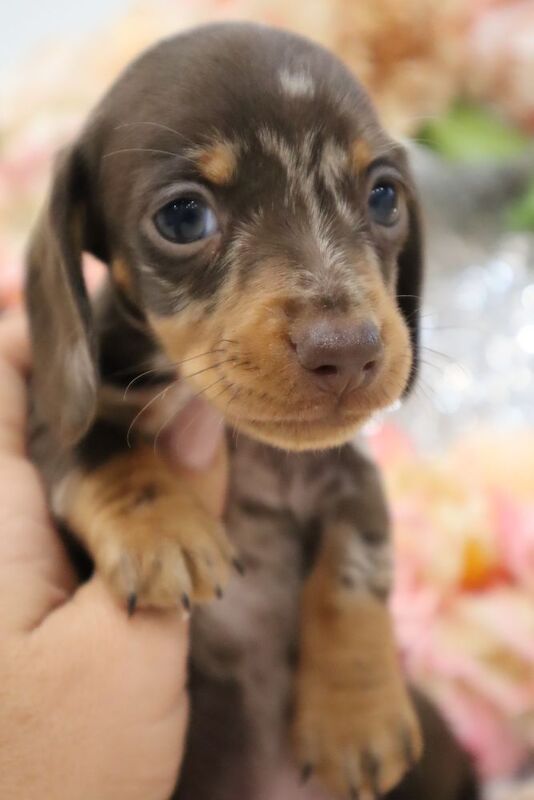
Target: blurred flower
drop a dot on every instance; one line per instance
(501, 64)
(464, 535)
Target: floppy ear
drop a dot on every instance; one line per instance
(410, 281)
(64, 344)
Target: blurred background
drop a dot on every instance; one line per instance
(455, 79)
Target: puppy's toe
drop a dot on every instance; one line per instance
(356, 746)
(164, 556)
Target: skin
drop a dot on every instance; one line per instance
(92, 703)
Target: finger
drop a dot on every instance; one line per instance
(155, 641)
(196, 447)
(195, 435)
(210, 485)
(34, 572)
(126, 678)
(13, 411)
(35, 575)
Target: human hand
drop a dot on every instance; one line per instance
(93, 705)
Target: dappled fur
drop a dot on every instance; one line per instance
(293, 664)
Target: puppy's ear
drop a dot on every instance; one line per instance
(410, 281)
(64, 345)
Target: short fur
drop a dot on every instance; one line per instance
(283, 143)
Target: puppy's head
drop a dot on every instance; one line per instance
(237, 182)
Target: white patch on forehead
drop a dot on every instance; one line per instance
(296, 84)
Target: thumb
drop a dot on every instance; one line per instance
(195, 435)
(34, 573)
(153, 638)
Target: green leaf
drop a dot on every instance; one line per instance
(469, 133)
(520, 215)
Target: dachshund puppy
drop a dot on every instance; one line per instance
(262, 241)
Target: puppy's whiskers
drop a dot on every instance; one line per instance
(176, 412)
(154, 125)
(153, 150)
(437, 354)
(172, 365)
(140, 150)
(193, 418)
(139, 377)
(176, 384)
(172, 417)
(149, 404)
(206, 369)
(228, 387)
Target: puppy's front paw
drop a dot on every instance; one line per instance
(354, 727)
(161, 551)
(358, 742)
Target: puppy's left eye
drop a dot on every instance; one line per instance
(186, 220)
(384, 203)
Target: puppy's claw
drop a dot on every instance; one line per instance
(219, 592)
(408, 750)
(371, 768)
(239, 566)
(131, 603)
(186, 602)
(306, 773)
(354, 793)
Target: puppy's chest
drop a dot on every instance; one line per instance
(250, 634)
(266, 483)
(271, 519)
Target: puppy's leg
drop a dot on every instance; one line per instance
(146, 529)
(354, 725)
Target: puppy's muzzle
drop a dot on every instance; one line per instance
(340, 355)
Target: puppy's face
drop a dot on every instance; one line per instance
(274, 253)
(250, 206)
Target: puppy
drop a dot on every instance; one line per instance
(263, 248)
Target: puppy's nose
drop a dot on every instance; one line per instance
(338, 353)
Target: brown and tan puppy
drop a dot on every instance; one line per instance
(262, 238)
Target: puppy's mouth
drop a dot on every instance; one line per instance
(301, 434)
(323, 425)
(289, 406)
(304, 384)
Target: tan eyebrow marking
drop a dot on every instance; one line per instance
(121, 274)
(218, 162)
(361, 155)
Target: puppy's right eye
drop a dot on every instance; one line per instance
(186, 220)
(384, 203)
